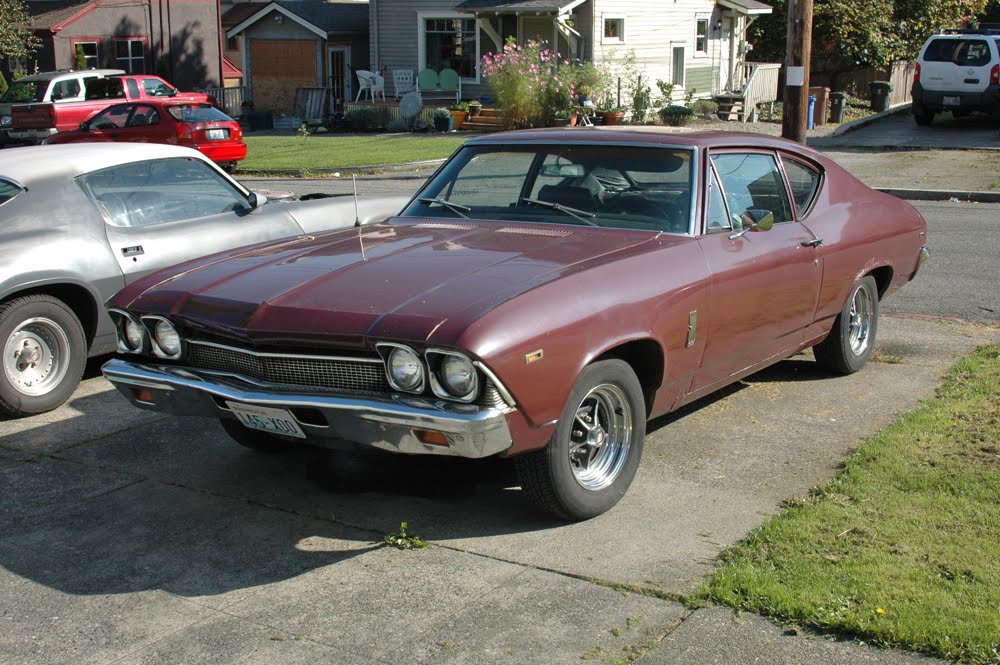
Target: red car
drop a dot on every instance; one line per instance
(540, 298)
(191, 124)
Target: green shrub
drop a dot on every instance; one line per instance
(675, 115)
(363, 119)
(704, 107)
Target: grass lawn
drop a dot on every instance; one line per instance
(333, 151)
(903, 548)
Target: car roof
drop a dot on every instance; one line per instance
(70, 160)
(48, 76)
(646, 134)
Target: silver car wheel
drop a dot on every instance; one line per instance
(862, 315)
(601, 436)
(36, 356)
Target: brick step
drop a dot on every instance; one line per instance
(482, 126)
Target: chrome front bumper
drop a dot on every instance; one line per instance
(389, 422)
(921, 258)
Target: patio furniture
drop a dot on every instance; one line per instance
(443, 86)
(371, 82)
(402, 82)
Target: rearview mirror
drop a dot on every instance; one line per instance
(563, 170)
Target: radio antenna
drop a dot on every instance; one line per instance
(357, 217)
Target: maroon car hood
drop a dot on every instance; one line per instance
(398, 280)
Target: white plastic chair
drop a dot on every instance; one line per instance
(366, 82)
(402, 82)
(378, 86)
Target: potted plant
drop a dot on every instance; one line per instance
(442, 119)
(563, 118)
(475, 106)
(458, 114)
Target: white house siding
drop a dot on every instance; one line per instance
(652, 30)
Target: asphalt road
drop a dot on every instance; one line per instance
(129, 537)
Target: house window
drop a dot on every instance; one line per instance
(90, 54)
(15, 65)
(233, 43)
(450, 42)
(701, 36)
(677, 59)
(614, 30)
(130, 55)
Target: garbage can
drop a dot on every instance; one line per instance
(838, 102)
(819, 111)
(879, 91)
(809, 112)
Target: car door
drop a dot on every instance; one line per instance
(145, 125)
(110, 124)
(164, 211)
(765, 284)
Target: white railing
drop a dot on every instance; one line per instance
(230, 99)
(760, 85)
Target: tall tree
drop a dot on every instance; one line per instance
(16, 38)
(862, 33)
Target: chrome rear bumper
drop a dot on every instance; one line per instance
(390, 422)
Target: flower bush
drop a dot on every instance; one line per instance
(529, 83)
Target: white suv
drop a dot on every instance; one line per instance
(64, 85)
(957, 71)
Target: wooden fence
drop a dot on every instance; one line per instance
(899, 74)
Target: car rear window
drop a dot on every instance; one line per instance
(962, 52)
(197, 113)
(8, 190)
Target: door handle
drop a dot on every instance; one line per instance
(134, 250)
(815, 242)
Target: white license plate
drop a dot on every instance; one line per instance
(952, 101)
(217, 134)
(267, 419)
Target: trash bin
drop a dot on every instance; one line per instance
(838, 102)
(879, 91)
(260, 120)
(819, 111)
(809, 112)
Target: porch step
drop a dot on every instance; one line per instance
(488, 120)
(730, 107)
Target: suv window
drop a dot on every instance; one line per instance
(962, 52)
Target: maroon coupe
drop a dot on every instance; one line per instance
(541, 297)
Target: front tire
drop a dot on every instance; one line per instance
(44, 353)
(594, 453)
(850, 344)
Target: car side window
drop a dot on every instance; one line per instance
(8, 190)
(144, 115)
(717, 219)
(161, 191)
(752, 181)
(804, 182)
(114, 117)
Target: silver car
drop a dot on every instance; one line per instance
(79, 222)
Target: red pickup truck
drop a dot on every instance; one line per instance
(30, 123)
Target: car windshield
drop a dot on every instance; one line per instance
(607, 185)
(25, 91)
(197, 113)
(8, 190)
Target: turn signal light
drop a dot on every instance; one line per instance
(995, 75)
(431, 438)
(916, 73)
(143, 395)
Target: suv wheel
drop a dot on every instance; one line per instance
(922, 116)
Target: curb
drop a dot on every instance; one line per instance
(848, 127)
(941, 195)
(345, 171)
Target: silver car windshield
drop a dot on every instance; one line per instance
(606, 185)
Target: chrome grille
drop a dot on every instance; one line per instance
(312, 372)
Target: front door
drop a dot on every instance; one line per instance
(340, 76)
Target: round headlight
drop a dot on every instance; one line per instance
(134, 335)
(405, 369)
(167, 338)
(457, 375)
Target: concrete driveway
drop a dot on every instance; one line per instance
(128, 537)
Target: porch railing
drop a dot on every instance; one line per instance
(759, 81)
(230, 99)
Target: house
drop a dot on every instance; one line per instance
(698, 45)
(286, 46)
(178, 40)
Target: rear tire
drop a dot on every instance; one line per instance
(231, 167)
(594, 453)
(255, 440)
(852, 340)
(922, 116)
(44, 353)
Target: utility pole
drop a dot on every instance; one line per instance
(798, 50)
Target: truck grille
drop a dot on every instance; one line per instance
(309, 372)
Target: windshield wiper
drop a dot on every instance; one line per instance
(454, 207)
(581, 215)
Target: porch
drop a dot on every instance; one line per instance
(381, 113)
(754, 83)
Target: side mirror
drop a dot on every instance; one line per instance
(256, 200)
(754, 220)
(84, 125)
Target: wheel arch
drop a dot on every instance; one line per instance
(77, 297)
(647, 360)
(883, 278)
